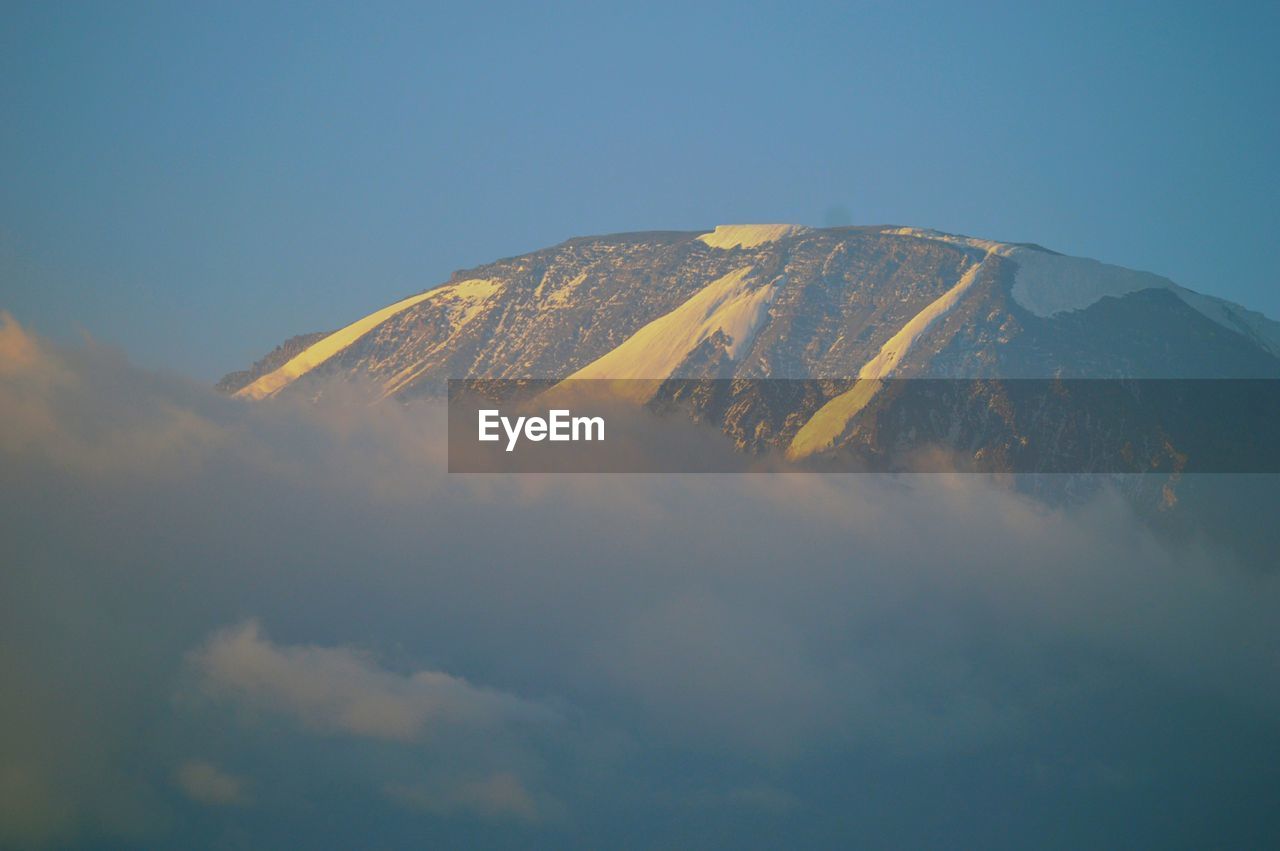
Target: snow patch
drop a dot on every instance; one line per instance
(560, 295)
(748, 236)
(1048, 284)
(729, 304)
(987, 245)
(466, 297)
(464, 301)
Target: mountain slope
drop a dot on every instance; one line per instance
(845, 307)
(806, 303)
(840, 312)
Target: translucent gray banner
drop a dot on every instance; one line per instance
(1166, 426)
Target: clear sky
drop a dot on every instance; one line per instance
(196, 182)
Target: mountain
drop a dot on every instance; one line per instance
(782, 301)
(848, 308)
(839, 314)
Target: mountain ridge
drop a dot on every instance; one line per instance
(845, 293)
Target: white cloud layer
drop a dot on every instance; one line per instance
(893, 661)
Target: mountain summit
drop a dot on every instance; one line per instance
(783, 301)
(846, 308)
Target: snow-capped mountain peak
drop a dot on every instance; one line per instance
(848, 308)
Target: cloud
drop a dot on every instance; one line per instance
(85, 411)
(909, 661)
(19, 351)
(761, 798)
(500, 795)
(341, 690)
(207, 784)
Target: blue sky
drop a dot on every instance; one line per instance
(196, 183)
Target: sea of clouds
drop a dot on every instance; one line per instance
(236, 625)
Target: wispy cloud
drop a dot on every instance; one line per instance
(500, 795)
(341, 690)
(207, 784)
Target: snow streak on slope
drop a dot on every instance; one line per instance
(461, 303)
(833, 419)
(900, 343)
(748, 236)
(729, 304)
(316, 354)
(987, 245)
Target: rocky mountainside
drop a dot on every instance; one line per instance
(838, 311)
(783, 302)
